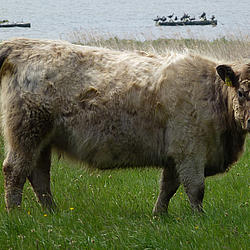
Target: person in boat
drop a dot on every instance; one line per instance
(176, 18)
(185, 17)
(163, 19)
(157, 19)
(203, 16)
(192, 18)
(4, 21)
(170, 16)
(213, 17)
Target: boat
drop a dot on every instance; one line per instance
(184, 23)
(185, 20)
(10, 25)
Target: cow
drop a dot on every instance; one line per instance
(182, 112)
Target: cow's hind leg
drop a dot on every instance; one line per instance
(168, 186)
(26, 129)
(40, 179)
(16, 169)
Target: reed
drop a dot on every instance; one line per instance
(233, 47)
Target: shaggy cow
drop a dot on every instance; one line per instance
(113, 109)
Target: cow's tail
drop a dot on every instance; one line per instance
(5, 50)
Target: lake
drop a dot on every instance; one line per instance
(57, 19)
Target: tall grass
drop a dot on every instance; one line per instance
(113, 209)
(233, 47)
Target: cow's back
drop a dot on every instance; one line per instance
(101, 101)
(109, 108)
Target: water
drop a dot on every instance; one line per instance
(57, 19)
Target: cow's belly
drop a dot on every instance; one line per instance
(110, 149)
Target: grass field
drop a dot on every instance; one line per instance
(113, 209)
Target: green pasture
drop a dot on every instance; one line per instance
(113, 209)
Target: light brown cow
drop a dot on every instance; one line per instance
(113, 109)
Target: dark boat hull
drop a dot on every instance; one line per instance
(10, 25)
(205, 22)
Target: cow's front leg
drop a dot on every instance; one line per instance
(193, 179)
(168, 186)
(16, 169)
(40, 179)
(195, 194)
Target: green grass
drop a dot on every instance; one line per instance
(113, 209)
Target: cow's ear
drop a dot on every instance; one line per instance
(227, 74)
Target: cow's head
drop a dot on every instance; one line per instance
(239, 83)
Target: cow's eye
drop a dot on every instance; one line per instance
(240, 93)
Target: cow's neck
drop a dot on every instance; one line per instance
(234, 136)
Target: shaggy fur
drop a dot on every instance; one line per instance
(113, 109)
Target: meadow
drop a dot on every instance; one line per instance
(113, 209)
